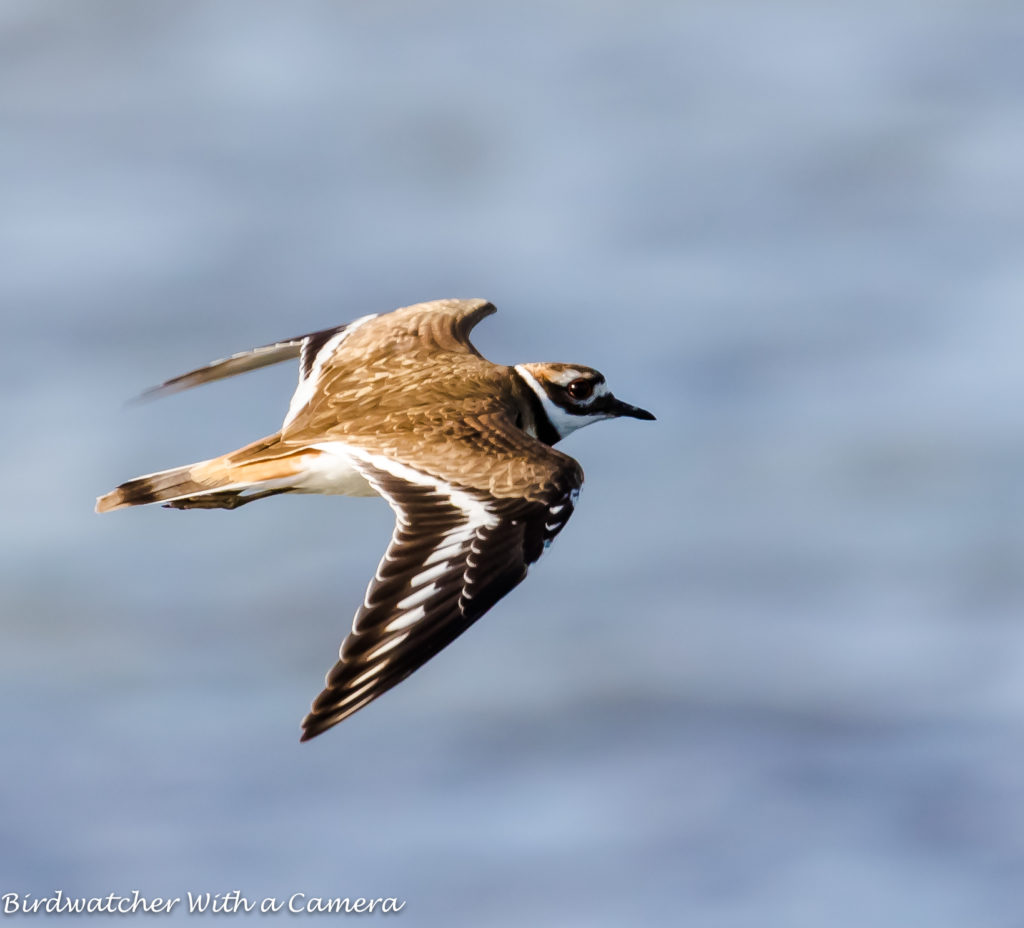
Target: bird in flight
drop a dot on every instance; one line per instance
(401, 405)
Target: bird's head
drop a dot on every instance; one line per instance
(571, 396)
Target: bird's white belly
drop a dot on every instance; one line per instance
(332, 472)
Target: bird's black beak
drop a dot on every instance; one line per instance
(616, 407)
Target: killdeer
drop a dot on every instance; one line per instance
(401, 405)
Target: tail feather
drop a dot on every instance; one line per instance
(264, 465)
(167, 485)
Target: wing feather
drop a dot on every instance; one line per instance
(444, 323)
(303, 347)
(454, 553)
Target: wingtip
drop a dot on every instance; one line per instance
(150, 394)
(160, 390)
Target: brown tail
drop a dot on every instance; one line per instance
(260, 463)
(179, 483)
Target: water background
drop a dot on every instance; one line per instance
(772, 674)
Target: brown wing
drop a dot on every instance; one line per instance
(384, 371)
(455, 552)
(445, 324)
(440, 325)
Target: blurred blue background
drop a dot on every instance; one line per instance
(772, 674)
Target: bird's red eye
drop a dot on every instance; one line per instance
(580, 389)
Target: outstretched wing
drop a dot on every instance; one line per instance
(454, 553)
(442, 323)
(304, 347)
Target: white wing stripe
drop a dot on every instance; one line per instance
(406, 619)
(477, 515)
(431, 573)
(419, 596)
(387, 646)
(446, 551)
(372, 672)
(359, 692)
